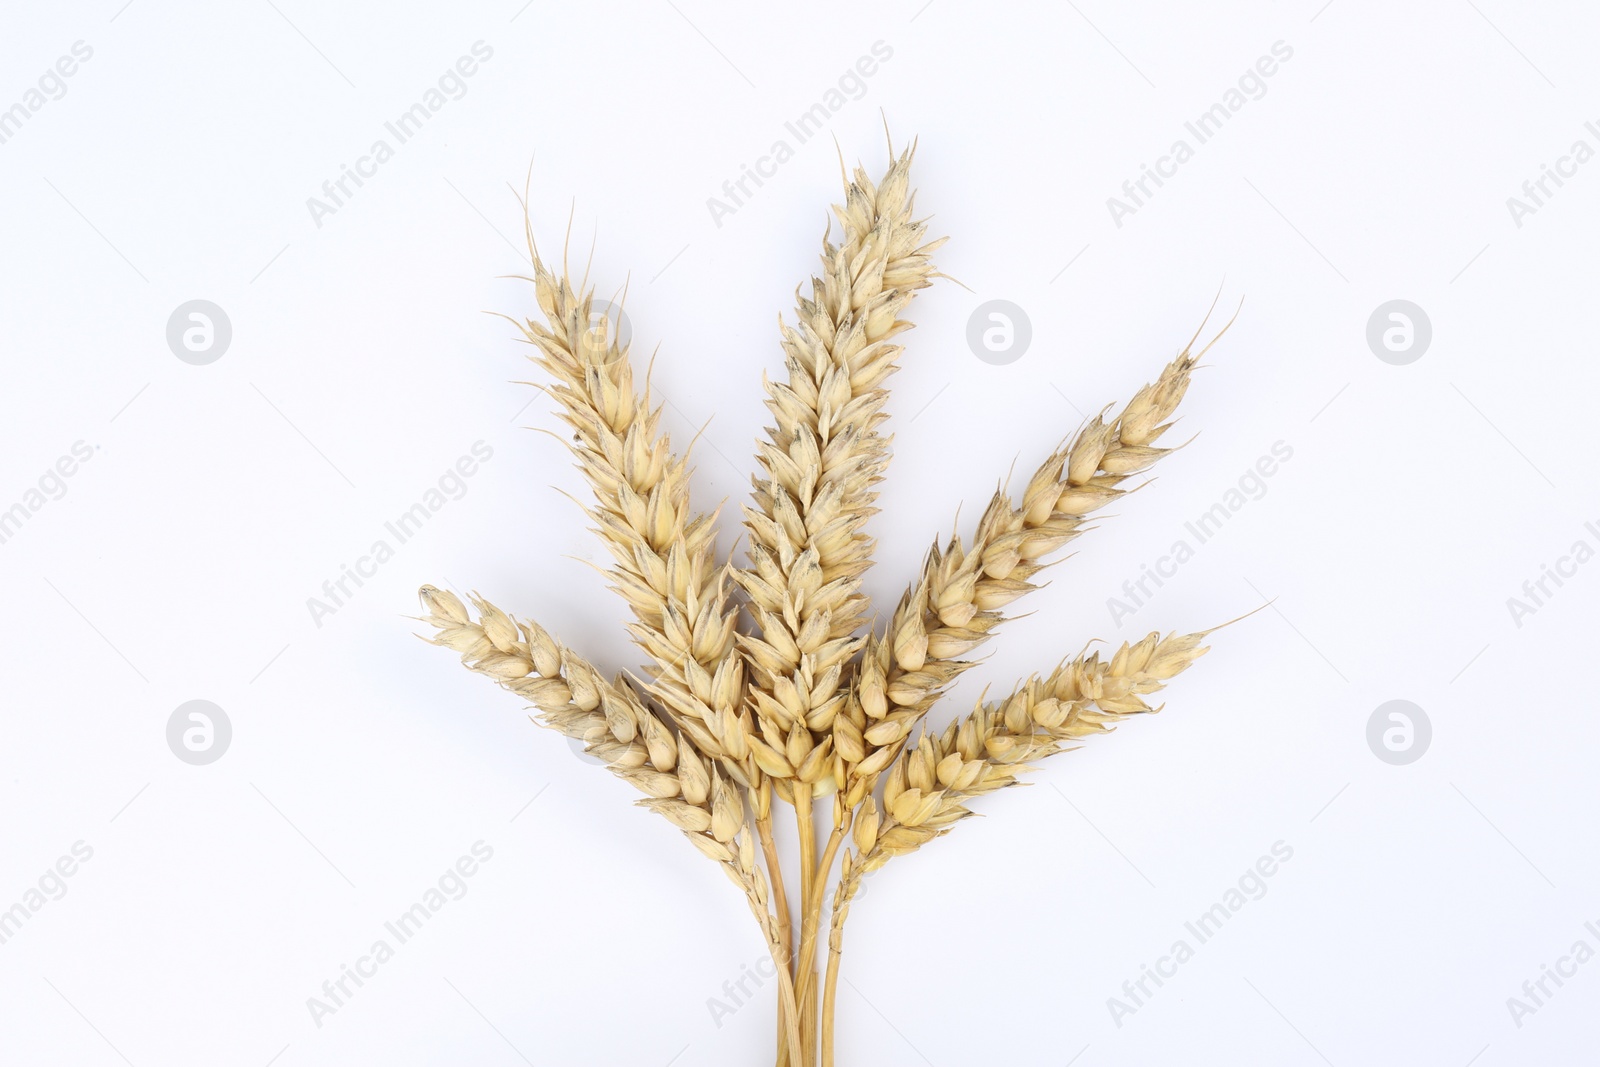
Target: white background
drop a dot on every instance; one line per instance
(179, 562)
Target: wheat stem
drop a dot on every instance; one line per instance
(780, 900)
(805, 825)
(788, 1012)
(813, 920)
(829, 994)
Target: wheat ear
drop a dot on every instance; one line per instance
(664, 555)
(820, 463)
(617, 726)
(609, 717)
(927, 789)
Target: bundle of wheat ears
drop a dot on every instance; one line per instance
(769, 684)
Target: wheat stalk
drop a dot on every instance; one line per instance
(929, 785)
(803, 703)
(618, 727)
(819, 465)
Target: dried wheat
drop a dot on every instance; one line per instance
(926, 791)
(617, 726)
(665, 567)
(804, 704)
(819, 466)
